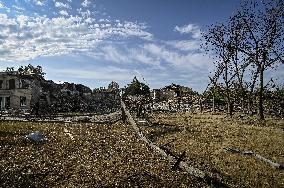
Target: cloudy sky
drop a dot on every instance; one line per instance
(96, 41)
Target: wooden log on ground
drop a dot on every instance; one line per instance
(180, 158)
(257, 156)
(166, 144)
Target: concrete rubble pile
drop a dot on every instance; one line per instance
(70, 97)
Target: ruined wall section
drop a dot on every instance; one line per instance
(19, 91)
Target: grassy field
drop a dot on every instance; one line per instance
(204, 137)
(91, 155)
(98, 156)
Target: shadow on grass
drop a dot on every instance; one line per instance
(160, 132)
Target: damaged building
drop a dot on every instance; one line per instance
(27, 90)
(71, 97)
(172, 91)
(106, 99)
(18, 91)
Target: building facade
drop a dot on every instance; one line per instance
(18, 91)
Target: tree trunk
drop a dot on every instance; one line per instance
(213, 101)
(229, 103)
(201, 106)
(260, 107)
(229, 108)
(243, 105)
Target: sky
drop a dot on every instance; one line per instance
(94, 42)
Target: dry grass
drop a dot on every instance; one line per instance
(98, 156)
(203, 137)
(113, 156)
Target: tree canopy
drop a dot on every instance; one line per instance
(113, 86)
(137, 88)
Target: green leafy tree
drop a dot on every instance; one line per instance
(137, 88)
(216, 94)
(36, 72)
(274, 100)
(113, 86)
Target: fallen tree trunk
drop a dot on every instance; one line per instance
(181, 164)
(259, 157)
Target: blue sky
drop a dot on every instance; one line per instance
(96, 41)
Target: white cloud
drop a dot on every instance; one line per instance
(111, 53)
(124, 55)
(192, 29)
(2, 5)
(39, 3)
(86, 3)
(185, 45)
(179, 60)
(142, 57)
(86, 14)
(63, 13)
(99, 73)
(154, 55)
(25, 37)
(36, 2)
(22, 20)
(18, 9)
(161, 52)
(62, 5)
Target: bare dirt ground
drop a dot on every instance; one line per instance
(204, 137)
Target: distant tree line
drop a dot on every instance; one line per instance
(29, 70)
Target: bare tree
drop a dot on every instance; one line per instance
(251, 41)
(219, 39)
(262, 28)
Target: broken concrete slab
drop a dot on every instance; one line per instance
(36, 137)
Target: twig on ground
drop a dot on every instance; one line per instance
(251, 153)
